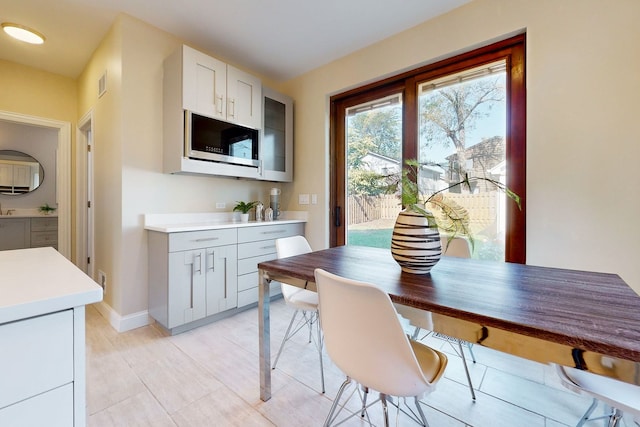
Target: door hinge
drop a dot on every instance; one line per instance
(88, 148)
(88, 260)
(89, 204)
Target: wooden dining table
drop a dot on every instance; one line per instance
(580, 319)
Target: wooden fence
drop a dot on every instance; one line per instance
(483, 208)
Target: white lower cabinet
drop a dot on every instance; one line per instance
(37, 361)
(196, 277)
(192, 275)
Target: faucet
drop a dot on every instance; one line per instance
(10, 211)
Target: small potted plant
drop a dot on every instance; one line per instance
(244, 208)
(46, 209)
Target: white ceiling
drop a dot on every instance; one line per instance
(280, 39)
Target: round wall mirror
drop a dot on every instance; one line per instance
(19, 172)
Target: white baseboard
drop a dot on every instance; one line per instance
(123, 323)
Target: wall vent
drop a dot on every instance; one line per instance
(102, 84)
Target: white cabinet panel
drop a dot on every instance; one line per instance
(36, 356)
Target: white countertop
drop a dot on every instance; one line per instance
(25, 213)
(176, 223)
(40, 280)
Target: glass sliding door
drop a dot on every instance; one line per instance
(462, 131)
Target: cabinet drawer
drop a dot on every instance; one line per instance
(51, 409)
(265, 232)
(250, 265)
(44, 238)
(202, 239)
(36, 356)
(251, 295)
(44, 224)
(252, 249)
(247, 281)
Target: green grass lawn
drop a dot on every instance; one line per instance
(380, 238)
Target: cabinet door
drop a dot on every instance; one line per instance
(222, 278)
(276, 149)
(244, 98)
(187, 287)
(204, 84)
(14, 233)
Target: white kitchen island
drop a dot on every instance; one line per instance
(42, 338)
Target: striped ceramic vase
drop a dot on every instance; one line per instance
(414, 244)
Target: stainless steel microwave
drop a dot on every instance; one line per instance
(214, 140)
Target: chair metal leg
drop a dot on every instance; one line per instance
(419, 408)
(615, 418)
(470, 348)
(385, 409)
(320, 345)
(466, 371)
(364, 401)
(330, 415)
(286, 337)
(587, 414)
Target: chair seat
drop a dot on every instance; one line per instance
(620, 395)
(431, 361)
(302, 299)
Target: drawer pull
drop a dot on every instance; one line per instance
(208, 239)
(268, 247)
(274, 232)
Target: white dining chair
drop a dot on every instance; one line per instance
(304, 302)
(422, 320)
(364, 338)
(620, 396)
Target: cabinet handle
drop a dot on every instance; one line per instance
(210, 265)
(273, 232)
(218, 103)
(268, 247)
(231, 107)
(208, 239)
(199, 269)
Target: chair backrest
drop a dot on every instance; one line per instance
(458, 247)
(291, 246)
(364, 338)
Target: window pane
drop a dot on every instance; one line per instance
(462, 126)
(374, 149)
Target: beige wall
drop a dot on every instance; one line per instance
(582, 144)
(128, 159)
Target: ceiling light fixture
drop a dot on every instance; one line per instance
(23, 33)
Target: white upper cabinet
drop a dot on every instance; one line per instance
(204, 84)
(215, 89)
(207, 86)
(244, 98)
(276, 139)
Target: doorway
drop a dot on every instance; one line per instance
(63, 172)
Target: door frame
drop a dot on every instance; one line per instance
(85, 248)
(63, 172)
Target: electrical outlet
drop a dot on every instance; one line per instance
(314, 199)
(221, 205)
(102, 281)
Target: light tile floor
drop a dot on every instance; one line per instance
(209, 377)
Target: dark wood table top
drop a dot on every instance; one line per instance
(597, 312)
